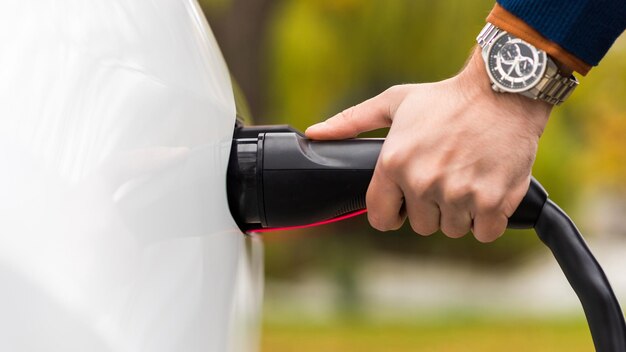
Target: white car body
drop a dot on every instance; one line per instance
(116, 119)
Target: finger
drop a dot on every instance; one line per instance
(455, 222)
(515, 197)
(384, 203)
(369, 115)
(424, 214)
(489, 226)
(492, 217)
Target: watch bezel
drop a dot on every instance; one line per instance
(499, 85)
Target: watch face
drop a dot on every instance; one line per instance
(513, 64)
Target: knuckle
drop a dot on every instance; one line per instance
(395, 226)
(428, 231)
(393, 90)
(489, 235)
(345, 121)
(382, 224)
(346, 118)
(424, 184)
(489, 203)
(375, 222)
(458, 193)
(348, 114)
(392, 159)
(453, 232)
(423, 229)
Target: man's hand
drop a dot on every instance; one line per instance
(458, 156)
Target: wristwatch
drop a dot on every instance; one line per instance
(515, 66)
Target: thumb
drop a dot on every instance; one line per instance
(371, 114)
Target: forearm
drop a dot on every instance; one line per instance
(577, 33)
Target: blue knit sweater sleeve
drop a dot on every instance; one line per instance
(585, 28)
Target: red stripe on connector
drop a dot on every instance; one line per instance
(320, 223)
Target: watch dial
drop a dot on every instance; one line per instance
(515, 65)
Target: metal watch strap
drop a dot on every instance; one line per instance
(553, 88)
(487, 34)
(556, 89)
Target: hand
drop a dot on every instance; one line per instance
(458, 156)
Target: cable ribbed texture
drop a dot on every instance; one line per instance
(585, 28)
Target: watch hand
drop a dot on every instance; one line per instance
(513, 66)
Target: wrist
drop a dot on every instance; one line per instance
(474, 84)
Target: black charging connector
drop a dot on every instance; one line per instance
(280, 178)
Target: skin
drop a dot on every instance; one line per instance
(458, 155)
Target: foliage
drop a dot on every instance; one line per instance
(326, 55)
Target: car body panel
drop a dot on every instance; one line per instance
(116, 120)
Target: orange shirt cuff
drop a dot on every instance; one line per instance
(507, 21)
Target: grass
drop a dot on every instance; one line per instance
(464, 335)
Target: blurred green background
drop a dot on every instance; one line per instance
(333, 288)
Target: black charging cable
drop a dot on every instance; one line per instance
(604, 315)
